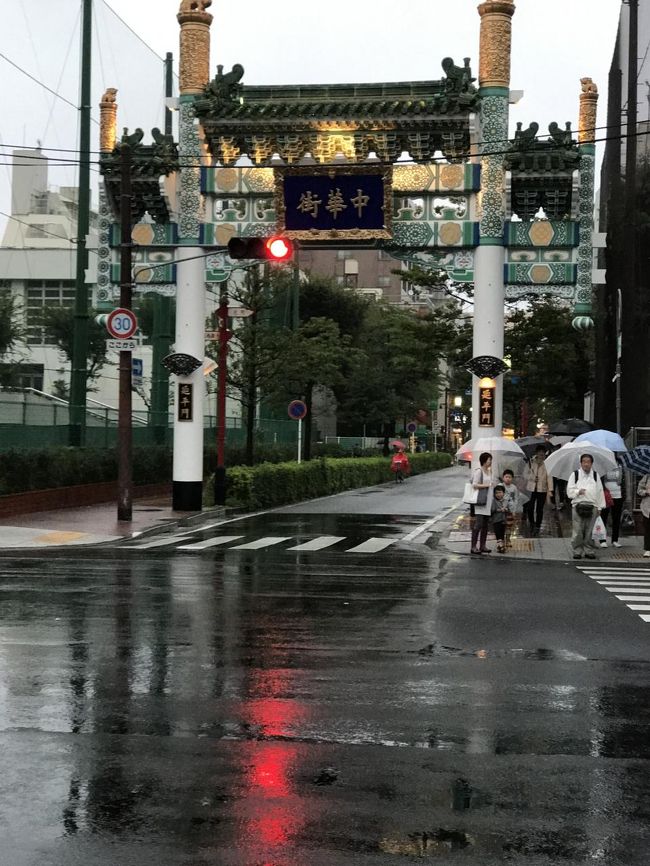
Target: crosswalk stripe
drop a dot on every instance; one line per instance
(159, 542)
(645, 617)
(267, 541)
(318, 543)
(210, 542)
(645, 597)
(372, 545)
(631, 582)
(618, 578)
(639, 606)
(621, 570)
(627, 588)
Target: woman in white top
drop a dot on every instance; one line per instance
(482, 480)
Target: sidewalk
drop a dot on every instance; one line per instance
(552, 543)
(92, 524)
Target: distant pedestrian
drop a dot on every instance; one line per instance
(539, 485)
(482, 480)
(643, 490)
(585, 490)
(385, 448)
(613, 483)
(400, 465)
(499, 512)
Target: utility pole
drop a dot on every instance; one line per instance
(124, 423)
(631, 357)
(161, 337)
(222, 378)
(79, 365)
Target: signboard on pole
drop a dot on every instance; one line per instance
(121, 323)
(185, 409)
(297, 410)
(137, 372)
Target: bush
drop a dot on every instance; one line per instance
(41, 469)
(268, 485)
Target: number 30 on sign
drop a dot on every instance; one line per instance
(121, 323)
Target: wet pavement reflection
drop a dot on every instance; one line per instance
(262, 709)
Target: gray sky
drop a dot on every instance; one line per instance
(555, 43)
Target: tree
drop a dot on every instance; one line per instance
(11, 333)
(59, 323)
(550, 363)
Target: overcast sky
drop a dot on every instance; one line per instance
(555, 43)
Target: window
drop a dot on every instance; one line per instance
(22, 375)
(351, 281)
(42, 294)
(383, 281)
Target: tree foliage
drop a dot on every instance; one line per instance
(550, 362)
(59, 323)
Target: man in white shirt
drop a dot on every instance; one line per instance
(585, 490)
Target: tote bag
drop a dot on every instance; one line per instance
(474, 496)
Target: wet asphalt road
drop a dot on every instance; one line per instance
(276, 708)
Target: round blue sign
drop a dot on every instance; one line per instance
(411, 427)
(297, 410)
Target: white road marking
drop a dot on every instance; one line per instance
(627, 588)
(318, 543)
(620, 578)
(210, 542)
(373, 545)
(267, 541)
(623, 569)
(645, 617)
(427, 524)
(634, 597)
(159, 542)
(639, 606)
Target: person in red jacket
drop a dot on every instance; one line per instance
(400, 465)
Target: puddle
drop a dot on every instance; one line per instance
(436, 650)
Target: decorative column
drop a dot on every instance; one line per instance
(107, 141)
(194, 69)
(586, 139)
(494, 92)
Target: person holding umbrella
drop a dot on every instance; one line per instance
(585, 490)
(539, 485)
(643, 490)
(482, 481)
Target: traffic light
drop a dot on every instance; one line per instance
(274, 249)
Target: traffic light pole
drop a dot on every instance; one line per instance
(124, 430)
(222, 378)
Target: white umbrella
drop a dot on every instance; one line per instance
(565, 460)
(494, 445)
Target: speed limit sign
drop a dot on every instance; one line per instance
(121, 323)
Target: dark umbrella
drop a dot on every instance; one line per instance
(637, 460)
(530, 444)
(569, 427)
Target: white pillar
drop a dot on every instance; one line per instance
(190, 340)
(488, 328)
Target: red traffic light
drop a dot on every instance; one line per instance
(275, 249)
(278, 249)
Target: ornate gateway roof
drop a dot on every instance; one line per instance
(353, 119)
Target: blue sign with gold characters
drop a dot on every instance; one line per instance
(331, 202)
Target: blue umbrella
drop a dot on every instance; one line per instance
(604, 438)
(637, 460)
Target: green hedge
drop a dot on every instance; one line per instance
(40, 469)
(270, 484)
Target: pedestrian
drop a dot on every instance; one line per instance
(514, 502)
(400, 465)
(539, 485)
(585, 490)
(481, 480)
(613, 483)
(385, 447)
(643, 490)
(499, 512)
